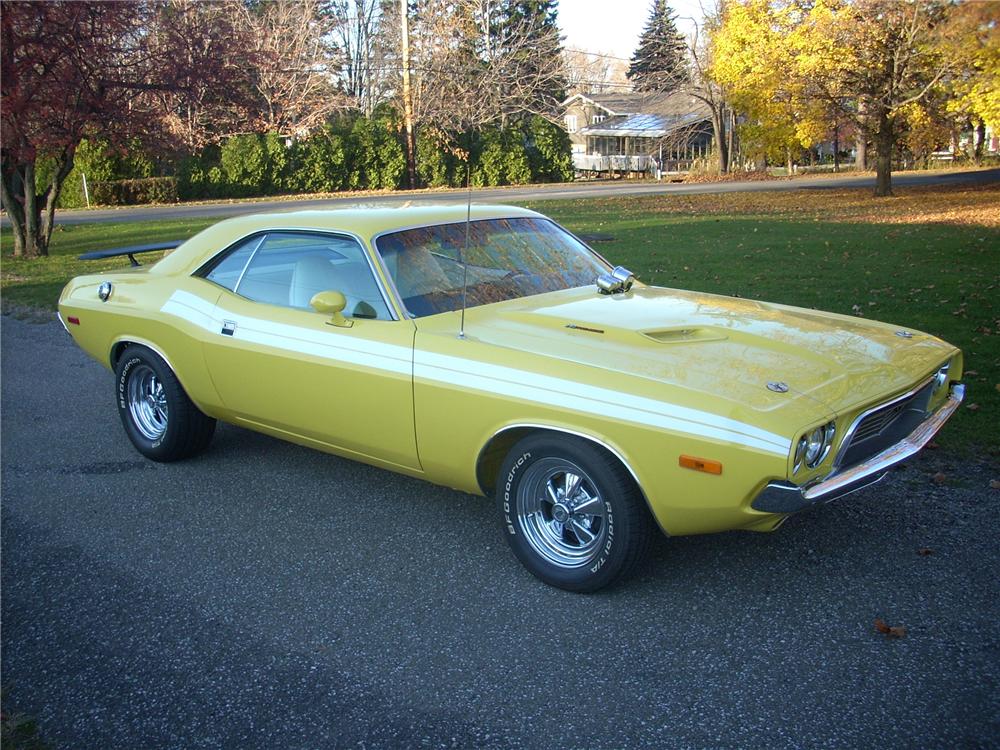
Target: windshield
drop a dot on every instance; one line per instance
(506, 258)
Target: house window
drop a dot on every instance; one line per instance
(571, 125)
(596, 119)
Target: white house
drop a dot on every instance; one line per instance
(636, 132)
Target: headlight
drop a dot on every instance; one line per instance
(941, 379)
(813, 447)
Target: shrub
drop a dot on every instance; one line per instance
(92, 158)
(279, 164)
(245, 164)
(320, 162)
(436, 166)
(502, 159)
(134, 192)
(550, 152)
(195, 179)
(376, 157)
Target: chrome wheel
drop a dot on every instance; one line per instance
(147, 402)
(561, 512)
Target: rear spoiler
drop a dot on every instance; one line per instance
(131, 251)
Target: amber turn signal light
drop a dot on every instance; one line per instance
(701, 464)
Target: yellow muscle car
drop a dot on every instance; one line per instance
(496, 353)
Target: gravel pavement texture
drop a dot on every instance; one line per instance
(266, 595)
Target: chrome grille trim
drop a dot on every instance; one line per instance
(903, 401)
(785, 497)
(878, 420)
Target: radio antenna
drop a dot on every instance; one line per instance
(465, 250)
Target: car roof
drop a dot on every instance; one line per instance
(365, 221)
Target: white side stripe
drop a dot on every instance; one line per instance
(591, 399)
(281, 336)
(462, 373)
(191, 308)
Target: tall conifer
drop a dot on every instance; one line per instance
(660, 62)
(537, 19)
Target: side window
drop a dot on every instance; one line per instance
(290, 267)
(228, 271)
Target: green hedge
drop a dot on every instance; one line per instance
(350, 153)
(134, 192)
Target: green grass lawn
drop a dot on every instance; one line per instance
(35, 284)
(939, 278)
(799, 249)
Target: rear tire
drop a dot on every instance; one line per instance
(571, 513)
(159, 418)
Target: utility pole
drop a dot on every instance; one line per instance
(411, 161)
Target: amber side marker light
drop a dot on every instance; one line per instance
(701, 464)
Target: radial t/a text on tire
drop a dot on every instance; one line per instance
(571, 513)
(159, 418)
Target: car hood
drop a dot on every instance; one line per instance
(715, 350)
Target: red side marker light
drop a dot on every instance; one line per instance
(73, 319)
(701, 464)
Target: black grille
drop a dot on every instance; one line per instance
(876, 422)
(885, 426)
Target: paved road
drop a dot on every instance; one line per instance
(517, 195)
(265, 595)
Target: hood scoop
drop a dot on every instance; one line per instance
(681, 335)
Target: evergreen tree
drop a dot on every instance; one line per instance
(660, 62)
(535, 20)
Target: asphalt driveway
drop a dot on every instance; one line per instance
(265, 595)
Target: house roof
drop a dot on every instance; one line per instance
(663, 116)
(621, 103)
(634, 102)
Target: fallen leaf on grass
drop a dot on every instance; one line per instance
(899, 631)
(973, 407)
(939, 478)
(932, 446)
(971, 373)
(995, 484)
(924, 551)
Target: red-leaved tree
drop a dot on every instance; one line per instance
(69, 69)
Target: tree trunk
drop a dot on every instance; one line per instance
(861, 153)
(884, 138)
(836, 148)
(980, 141)
(32, 216)
(63, 165)
(719, 127)
(13, 204)
(731, 140)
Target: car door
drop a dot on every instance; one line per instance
(277, 364)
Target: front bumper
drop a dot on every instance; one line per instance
(785, 497)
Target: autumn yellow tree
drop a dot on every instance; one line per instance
(795, 64)
(973, 89)
(754, 52)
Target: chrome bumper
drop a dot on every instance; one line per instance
(785, 497)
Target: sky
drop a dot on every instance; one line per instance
(613, 26)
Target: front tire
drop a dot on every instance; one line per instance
(159, 418)
(571, 512)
